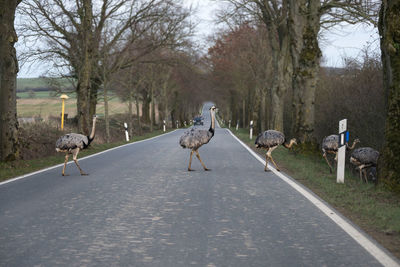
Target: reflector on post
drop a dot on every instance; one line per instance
(341, 151)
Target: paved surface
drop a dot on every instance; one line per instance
(140, 207)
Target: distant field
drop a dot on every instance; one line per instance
(30, 83)
(45, 107)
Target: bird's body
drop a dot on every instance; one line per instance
(72, 143)
(270, 140)
(330, 145)
(363, 158)
(195, 138)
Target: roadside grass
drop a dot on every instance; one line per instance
(373, 208)
(10, 170)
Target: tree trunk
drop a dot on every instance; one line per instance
(244, 112)
(304, 27)
(130, 114)
(138, 114)
(8, 82)
(389, 25)
(85, 72)
(281, 61)
(263, 111)
(106, 113)
(278, 90)
(152, 111)
(146, 108)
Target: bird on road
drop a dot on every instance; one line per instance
(363, 158)
(330, 144)
(195, 138)
(270, 140)
(72, 143)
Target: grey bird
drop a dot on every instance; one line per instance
(72, 143)
(363, 158)
(270, 140)
(195, 138)
(330, 145)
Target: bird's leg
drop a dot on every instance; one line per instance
(266, 162)
(76, 161)
(190, 161)
(204, 166)
(361, 167)
(327, 161)
(365, 175)
(65, 165)
(269, 153)
(272, 160)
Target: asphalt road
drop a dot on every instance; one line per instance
(141, 207)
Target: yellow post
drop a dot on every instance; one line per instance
(63, 97)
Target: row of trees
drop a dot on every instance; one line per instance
(92, 40)
(269, 61)
(270, 58)
(290, 31)
(137, 47)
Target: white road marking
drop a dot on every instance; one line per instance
(80, 159)
(380, 255)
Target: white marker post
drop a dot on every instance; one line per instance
(164, 128)
(237, 125)
(251, 130)
(341, 151)
(229, 124)
(126, 132)
(177, 124)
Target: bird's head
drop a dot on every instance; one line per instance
(357, 141)
(293, 141)
(213, 108)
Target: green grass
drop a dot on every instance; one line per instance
(17, 168)
(375, 209)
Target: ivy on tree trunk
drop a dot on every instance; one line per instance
(389, 30)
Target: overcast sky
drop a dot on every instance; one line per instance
(346, 41)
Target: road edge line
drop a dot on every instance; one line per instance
(86, 157)
(378, 253)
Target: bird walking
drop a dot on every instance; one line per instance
(363, 158)
(270, 140)
(195, 138)
(72, 143)
(330, 145)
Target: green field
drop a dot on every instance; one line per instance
(30, 83)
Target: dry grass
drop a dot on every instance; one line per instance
(46, 107)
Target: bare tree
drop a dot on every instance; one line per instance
(389, 24)
(306, 18)
(8, 78)
(274, 14)
(74, 30)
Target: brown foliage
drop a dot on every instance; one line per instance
(356, 93)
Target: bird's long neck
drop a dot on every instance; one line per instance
(288, 145)
(212, 126)
(353, 145)
(91, 136)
